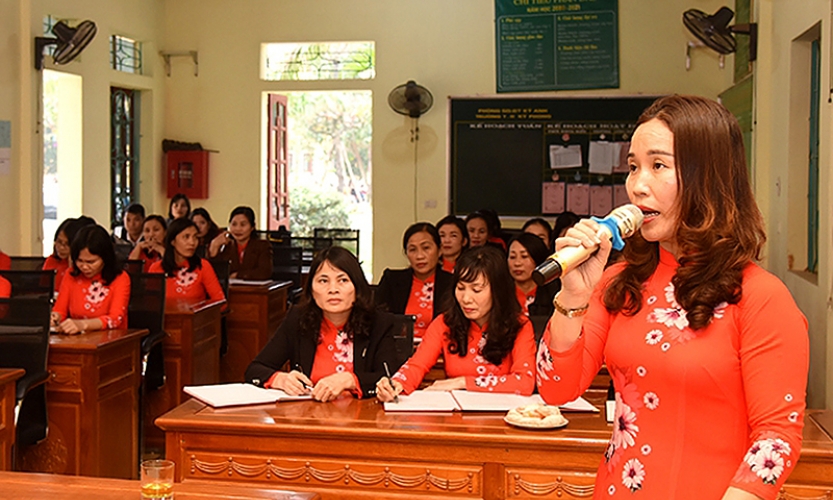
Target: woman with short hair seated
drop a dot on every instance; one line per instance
(249, 257)
(483, 227)
(95, 293)
(151, 248)
(335, 342)
(526, 252)
(420, 289)
(454, 239)
(189, 279)
(486, 342)
(540, 228)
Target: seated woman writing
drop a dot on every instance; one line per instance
(336, 336)
(151, 248)
(249, 258)
(95, 293)
(526, 252)
(485, 340)
(189, 279)
(418, 289)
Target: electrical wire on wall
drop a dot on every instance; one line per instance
(413, 100)
(415, 141)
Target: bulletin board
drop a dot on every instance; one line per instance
(540, 156)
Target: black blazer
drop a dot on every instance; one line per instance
(369, 352)
(257, 260)
(543, 299)
(395, 288)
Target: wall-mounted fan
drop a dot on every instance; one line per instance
(414, 100)
(71, 42)
(715, 33)
(410, 99)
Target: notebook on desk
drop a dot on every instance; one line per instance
(236, 281)
(474, 401)
(222, 395)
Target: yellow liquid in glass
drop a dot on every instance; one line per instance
(158, 491)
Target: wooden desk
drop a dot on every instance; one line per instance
(49, 487)
(191, 350)
(352, 449)
(255, 312)
(8, 399)
(92, 402)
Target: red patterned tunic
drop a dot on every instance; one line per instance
(421, 304)
(525, 298)
(514, 374)
(696, 412)
(191, 287)
(61, 266)
(84, 298)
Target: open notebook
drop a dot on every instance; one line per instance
(221, 395)
(474, 401)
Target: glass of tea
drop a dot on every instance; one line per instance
(157, 480)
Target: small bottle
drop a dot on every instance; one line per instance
(610, 404)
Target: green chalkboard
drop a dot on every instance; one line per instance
(515, 155)
(556, 44)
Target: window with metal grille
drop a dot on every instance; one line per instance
(124, 151)
(125, 54)
(318, 61)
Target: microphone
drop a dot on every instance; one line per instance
(620, 223)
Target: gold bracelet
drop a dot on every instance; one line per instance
(570, 313)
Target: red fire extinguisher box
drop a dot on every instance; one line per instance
(188, 174)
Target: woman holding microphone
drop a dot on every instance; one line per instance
(708, 352)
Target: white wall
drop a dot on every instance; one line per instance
(446, 46)
(780, 183)
(20, 22)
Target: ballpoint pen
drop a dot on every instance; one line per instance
(390, 381)
(298, 368)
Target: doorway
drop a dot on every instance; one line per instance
(329, 164)
(62, 151)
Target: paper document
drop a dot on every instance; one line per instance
(235, 281)
(460, 400)
(602, 157)
(601, 200)
(552, 197)
(580, 404)
(565, 156)
(620, 195)
(424, 401)
(493, 401)
(222, 395)
(578, 198)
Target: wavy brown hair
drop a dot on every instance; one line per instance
(720, 229)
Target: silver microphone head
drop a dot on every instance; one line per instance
(628, 219)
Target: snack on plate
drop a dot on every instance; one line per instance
(536, 416)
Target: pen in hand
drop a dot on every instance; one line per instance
(390, 381)
(304, 384)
